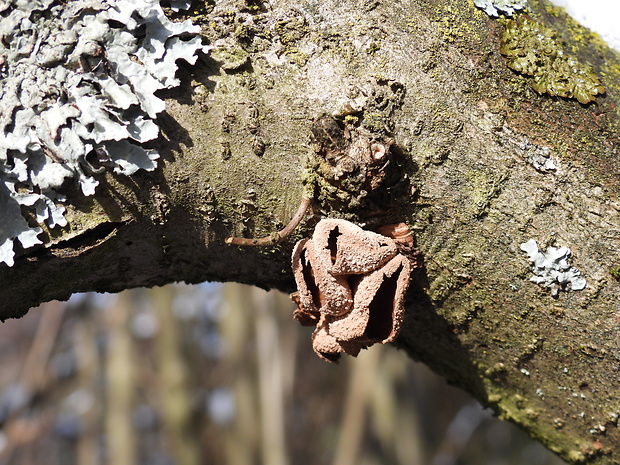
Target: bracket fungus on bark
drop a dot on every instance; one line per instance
(352, 284)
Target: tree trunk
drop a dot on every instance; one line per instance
(487, 163)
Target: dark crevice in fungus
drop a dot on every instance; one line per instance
(332, 244)
(309, 279)
(353, 281)
(380, 308)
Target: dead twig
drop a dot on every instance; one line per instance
(279, 236)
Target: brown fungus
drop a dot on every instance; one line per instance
(342, 248)
(352, 285)
(319, 290)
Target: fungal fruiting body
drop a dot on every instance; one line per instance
(551, 268)
(351, 285)
(531, 48)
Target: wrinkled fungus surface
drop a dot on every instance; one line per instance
(551, 268)
(532, 49)
(77, 97)
(352, 285)
(494, 7)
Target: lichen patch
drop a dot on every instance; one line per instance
(551, 268)
(494, 7)
(77, 97)
(532, 49)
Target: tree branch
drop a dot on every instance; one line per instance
(470, 133)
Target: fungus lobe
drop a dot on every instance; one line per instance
(352, 285)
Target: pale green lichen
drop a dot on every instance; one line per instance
(532, 49)
(493, 7)
(78, 83)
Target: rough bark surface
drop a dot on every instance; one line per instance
(428, 74)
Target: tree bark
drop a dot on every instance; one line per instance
(236, 157)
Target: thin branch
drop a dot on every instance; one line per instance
(279, 236)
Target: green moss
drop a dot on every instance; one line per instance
(531, 48)
(615, 273)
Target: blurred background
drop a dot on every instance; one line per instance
(221, 374)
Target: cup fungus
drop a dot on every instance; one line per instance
(351, 285)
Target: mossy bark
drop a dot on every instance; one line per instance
(235, 148)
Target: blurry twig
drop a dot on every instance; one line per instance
(176, 393)
(120, 385)
(270, 380)
(361, 379)
(33, 373)
(33, 377)
(88, 366)
(459, 433)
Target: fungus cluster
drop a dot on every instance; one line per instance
(351, 285)
(77, 97)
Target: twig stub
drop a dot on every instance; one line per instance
(277, 237)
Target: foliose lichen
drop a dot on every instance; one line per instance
(531, 48)
(551, 268)
(539, 157)
(493, 7)
(77, 97)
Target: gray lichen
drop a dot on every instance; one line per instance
(551, 268)
(178, 5)
(539, 157)
(493, 7)
(77, 96)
